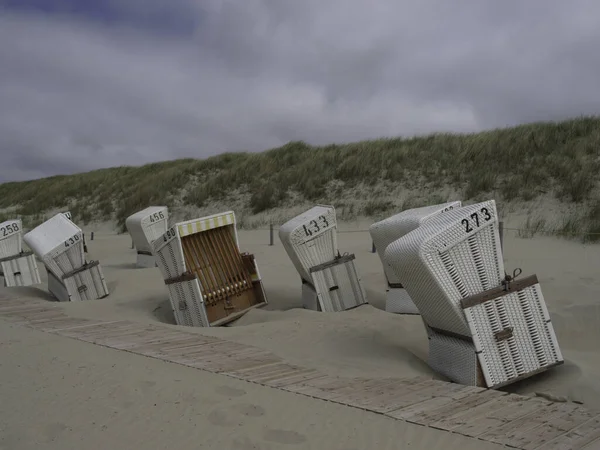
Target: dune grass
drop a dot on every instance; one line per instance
(517, 164)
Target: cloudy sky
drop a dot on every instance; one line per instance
(94, 83)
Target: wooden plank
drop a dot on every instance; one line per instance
(103, 331)
(357, 388)
(61, 323)
(522, 424)
(115, 336)
(585, 436)
(89, 331)
(339, 391)
(48, 320)
(280, 371)
(407, 393)
(293, 372)
(567, 417)
(41, 320)
(300, 376)
(408, 412)
(465, 417)
(30, 314)
(432, 416)
(175, 347)
(154, 338)
(363, 394)
(224, 361)
(319, 386)
(250, 371)
(516, 408)
(177, 352)
(6, 310)
(204, 353)
(89, 323)
(176, 339)
(246, 361)
(135, 339)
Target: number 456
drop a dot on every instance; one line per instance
(157, 216)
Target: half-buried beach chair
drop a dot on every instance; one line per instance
(145, 227)
(210, 282)
(385, 232)
(58, 243)
(17, 267)
(330, 281)
(485, 328)
(69, 216)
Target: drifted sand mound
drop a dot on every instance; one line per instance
(366, 341)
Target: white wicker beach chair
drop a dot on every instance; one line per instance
(482, 330)
(330, 282)
(17, 267)
(210, 282)
(58, 242)
(145, 227)
(386, 231)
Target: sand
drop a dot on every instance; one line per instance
(94, 387)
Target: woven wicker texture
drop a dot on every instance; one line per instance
(88, 284)
(449, 257)
(169, 254)
(452, 357)
(11, 238)
(187, 304)
(310, 238)
(398, 301)
(387, 231)
(21, 271)
(58, 242)
(532, 345)
(147, 225)
(338, 287)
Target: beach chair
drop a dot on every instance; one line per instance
(58, 243)
(386, 231)
(69, 216)
(17, 267)
(330, 281)
(484, 328)
(210, 282)
(145, 227)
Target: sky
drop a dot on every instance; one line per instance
(86, 84)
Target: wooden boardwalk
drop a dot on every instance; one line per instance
(513, 420)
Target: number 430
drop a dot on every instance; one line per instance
(475, 219)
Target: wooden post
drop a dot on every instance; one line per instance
(373, 249)
(92, 236)
(271, 234)
(132, 246)
(501, 231)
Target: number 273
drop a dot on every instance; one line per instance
(475, 219)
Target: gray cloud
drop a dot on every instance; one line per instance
(78, 94)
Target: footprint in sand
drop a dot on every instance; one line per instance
(221, 418)
(229, 391)
(284, 437)
(250, 410)
(231, 416)
(245, 443)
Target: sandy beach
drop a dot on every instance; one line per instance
(62, 393)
